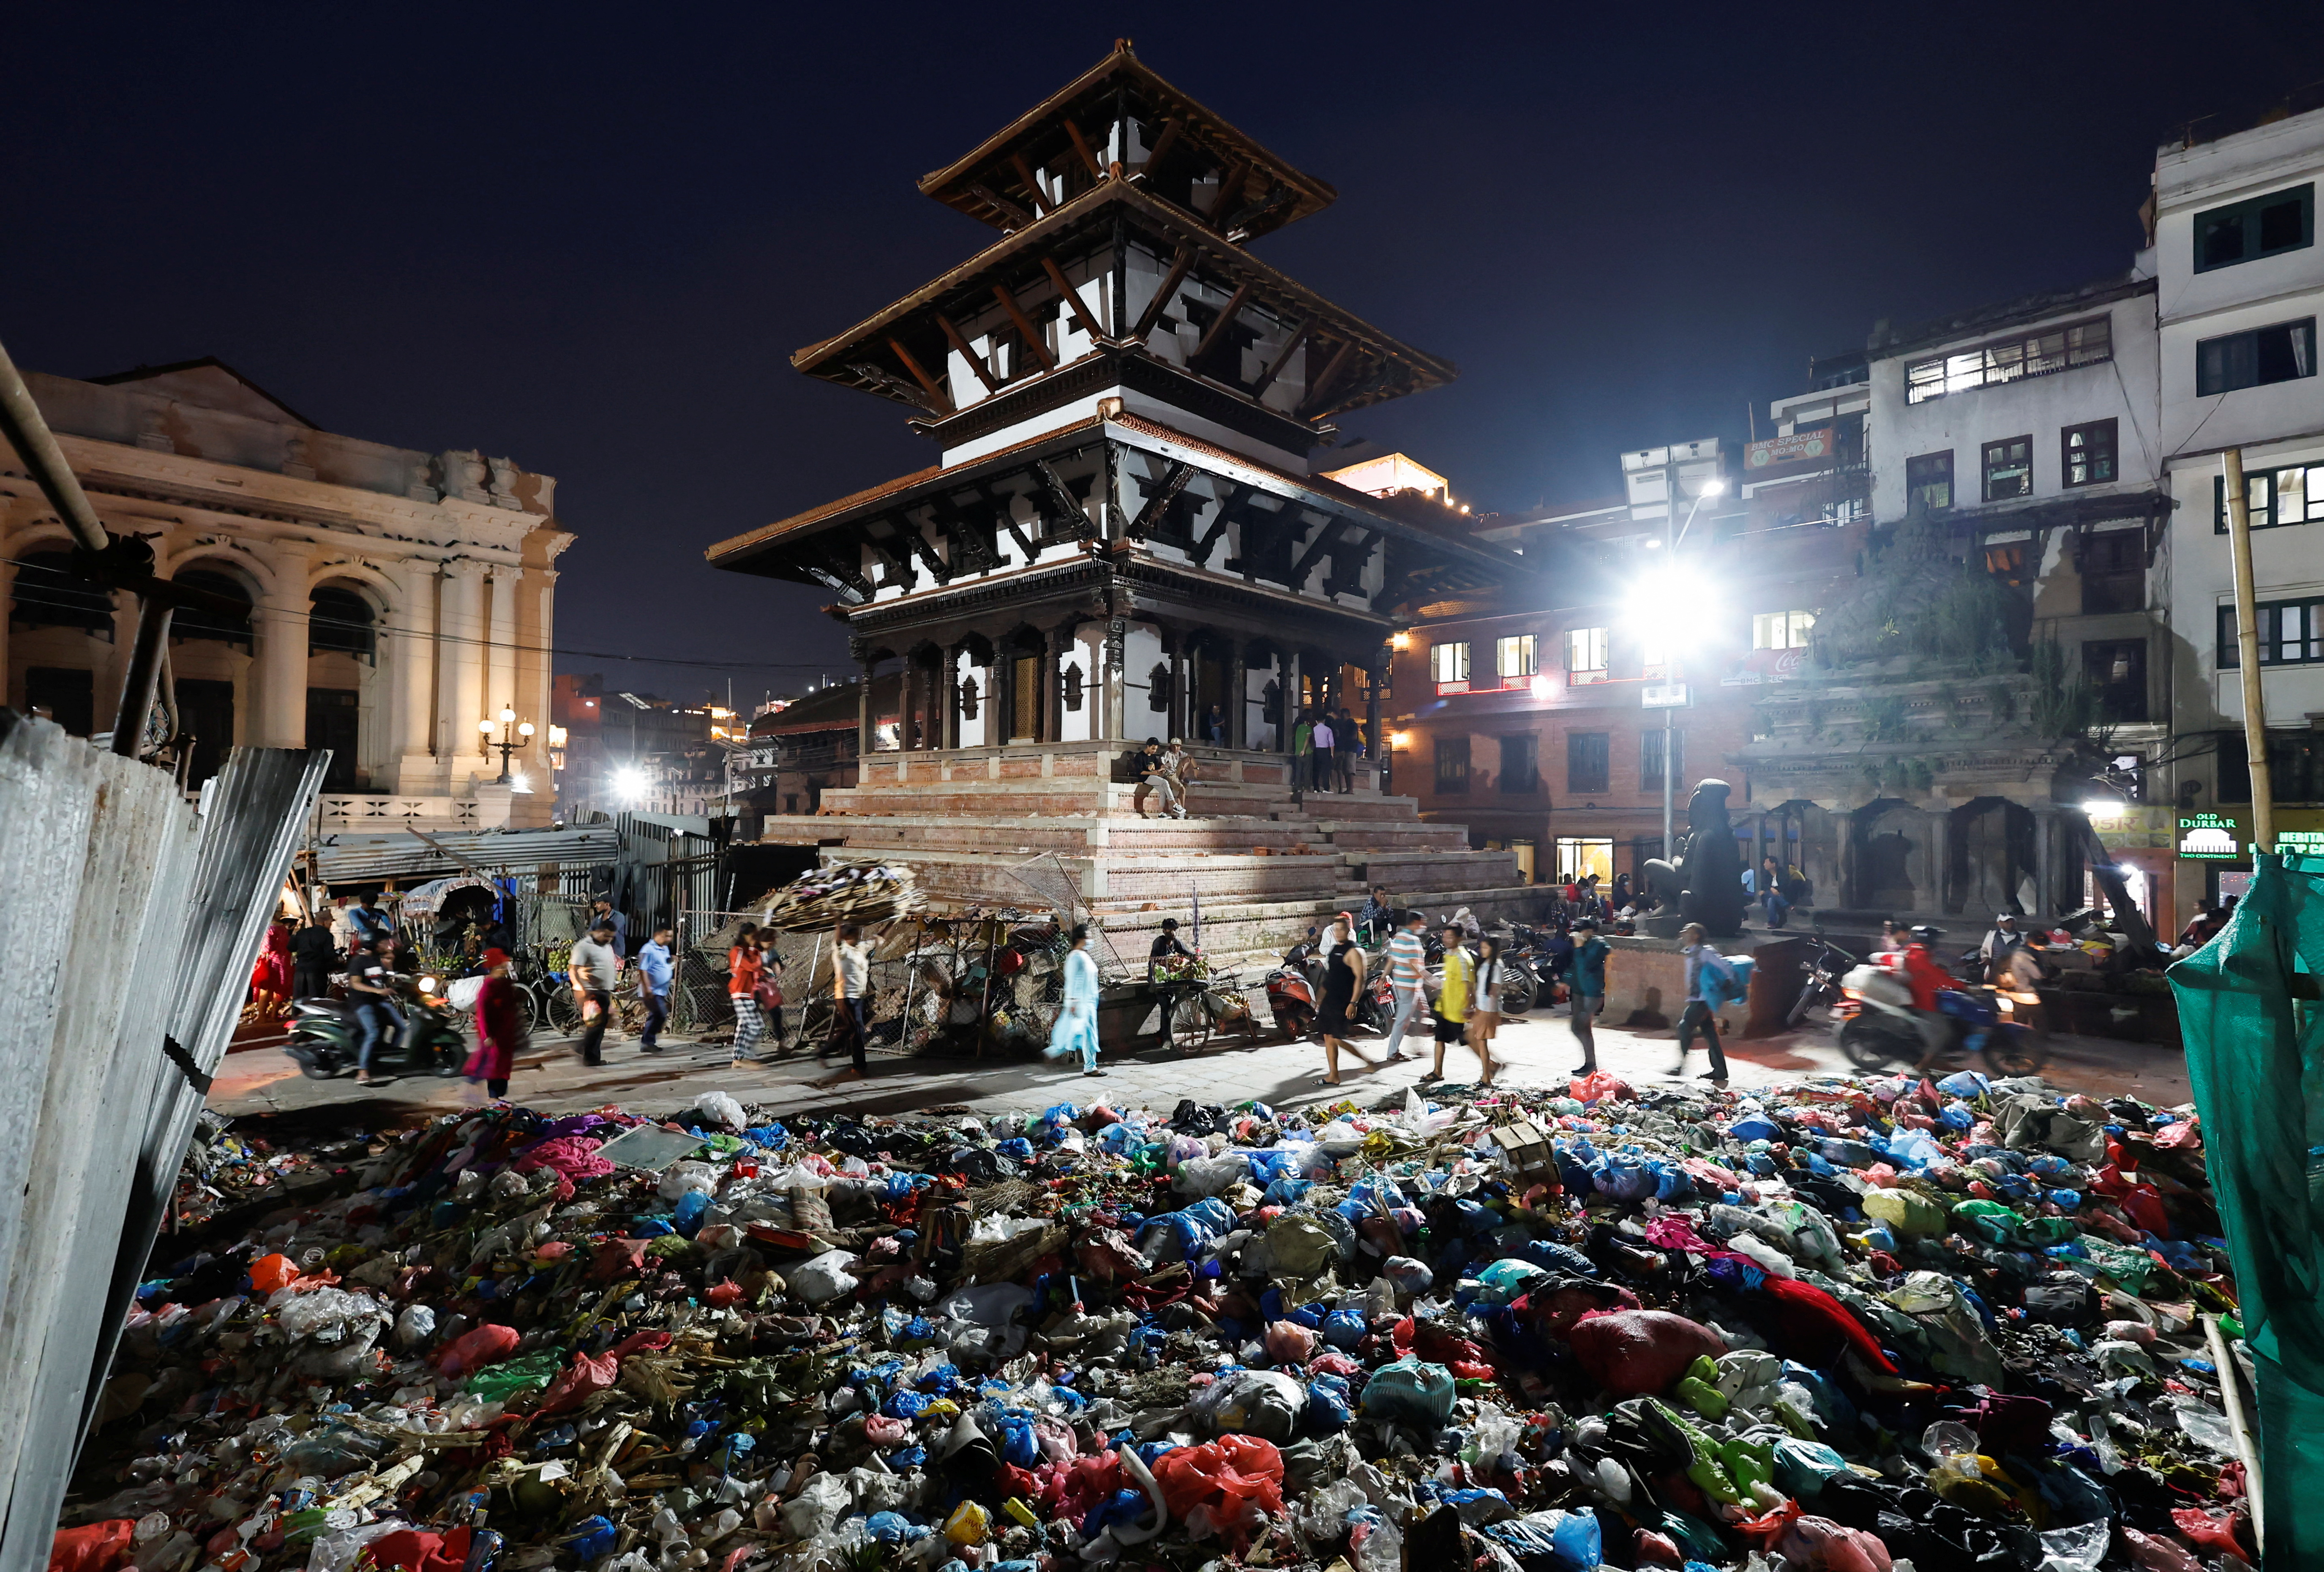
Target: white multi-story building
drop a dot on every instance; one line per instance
(2242, 289)
(397, 602)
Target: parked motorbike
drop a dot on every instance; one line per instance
(1878, 1026)
(325, 1034)
(1831, 963)
(1293, 990)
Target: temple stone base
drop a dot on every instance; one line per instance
(1004, 827)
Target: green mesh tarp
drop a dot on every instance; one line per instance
(2256, 1054)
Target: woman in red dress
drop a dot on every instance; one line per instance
(500, 1026)
(270, 979)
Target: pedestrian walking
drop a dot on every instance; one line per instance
(1485, 1007)
(742, 966)
(269, 977)
(1303, 749)
(1345, 742)
(655, 970)
(1703, 963)
(591, 972)
(1320, 741)
(1343, 976)
(1407, 958)
(500, 1027)
(851, 997)
(1076, 1031)
(314, 955)
(1453, 1001)
(601, 910)
(1588, 991)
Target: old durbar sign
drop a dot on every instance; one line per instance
(1123, 537)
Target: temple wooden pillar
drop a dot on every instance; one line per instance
(1288, 664)
(1939, 841)
(1235, 703)
(1181, 701)
(864, 713)
(949, 680)
(1843, 826)
(1374, 749)
(1117, 640)
(1048, 692)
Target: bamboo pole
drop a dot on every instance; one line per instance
(2231, 1396)
(2263, 793)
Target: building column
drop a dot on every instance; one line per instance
(1236, 701)
(1175, 718)
(1049, 688)
(1373, 719)
(949, 680)
(279, 673)
(1288, 685)
(460, 632)
(500, 666)
(863, 719)
(1117, 652)
(2046, 862)
(1940, 838)
(536, 675)
(1843, 846)
(410, 650)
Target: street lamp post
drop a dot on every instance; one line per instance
(1674, 533)
(514, 736)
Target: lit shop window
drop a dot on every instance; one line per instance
(1448, 664)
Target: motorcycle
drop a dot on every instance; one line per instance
(1825, 972)
(1878, 1026)
(325, 1035)
(1293, 990)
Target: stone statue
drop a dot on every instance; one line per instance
(1705, 885)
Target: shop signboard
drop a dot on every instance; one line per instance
(2225, 836)
(2133, 826)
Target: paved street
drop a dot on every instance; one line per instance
(1539, 1050)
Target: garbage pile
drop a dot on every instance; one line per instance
(1839, 1325)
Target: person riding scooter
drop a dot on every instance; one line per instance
(1928, 979)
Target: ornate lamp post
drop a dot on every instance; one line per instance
(514, 736)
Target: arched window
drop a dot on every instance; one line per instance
(341, 621)
(202, 622)
(47, 594)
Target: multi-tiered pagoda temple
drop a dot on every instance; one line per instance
(1124, 531)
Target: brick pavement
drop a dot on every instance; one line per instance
(1538, 1051)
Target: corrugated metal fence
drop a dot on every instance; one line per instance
(127, 922)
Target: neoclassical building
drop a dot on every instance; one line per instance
(394, 600)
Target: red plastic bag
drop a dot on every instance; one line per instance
(418, 1550)
(1601, 1084)
(487, 1344)
(1640, 1353)
(1230, 1476)
(271, 1273)
(583, 1380)
(94, 1547)
(1821, 1545)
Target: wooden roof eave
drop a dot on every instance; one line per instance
(1274, 289)
(1475, 564)
(952, 184)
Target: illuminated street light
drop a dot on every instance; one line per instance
(1680, 605)
(629, 784)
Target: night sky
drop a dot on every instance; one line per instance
(590, 237)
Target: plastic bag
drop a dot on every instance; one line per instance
(1230, 1479)
(1635, 1353)
(1410, 1392)
(94, 1547)
(823, 1279)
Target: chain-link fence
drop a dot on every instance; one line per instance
(989, 981)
